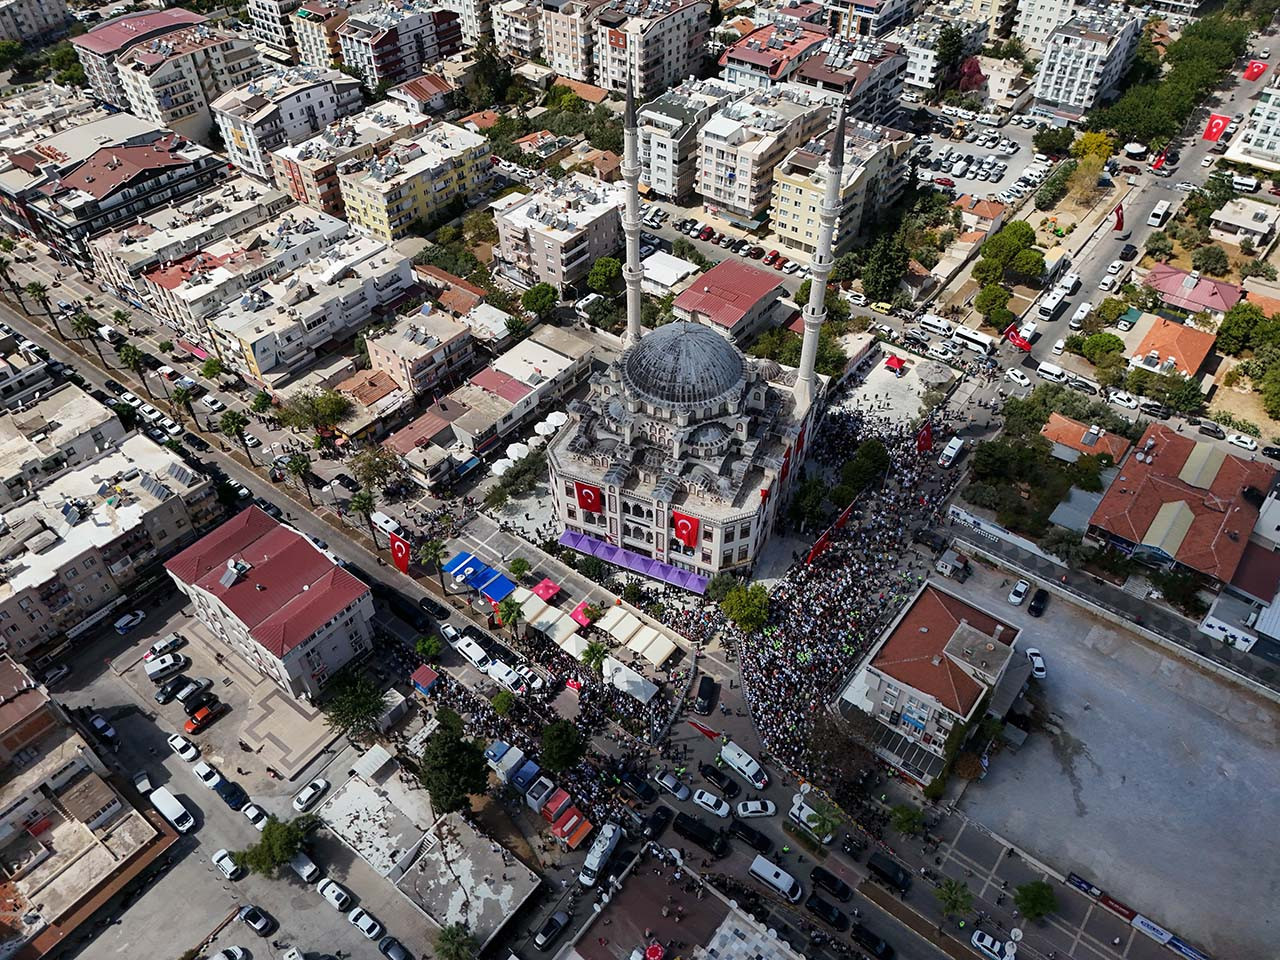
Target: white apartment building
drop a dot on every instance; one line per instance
(1258, 143)
(279, 327)
(920, 40)
(276, 601)
(272, 29)
(23, 375)
(283, 107)
(517, 29)
(28, 20)
(1037, 19)
(999, 15)
(1084, 61)
(742, 143)
(656, 43)
(869, 18)
(315, 32)
(669, 129)
(556, 234)
(390, 44)
(173, 79)
(99, 49)
(569, 37)
(876, 171)
(476, 18)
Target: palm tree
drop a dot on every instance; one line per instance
(510, 612)
(299, 465)
(823, 819)
(593, 656)
(363, 503)
(86, 328)
(132, 358)
(181, 400)
(954, 898)
(232, 424)
(432, 554)
(7, 277)
(454, 942)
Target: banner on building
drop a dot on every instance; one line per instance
(1215, 128)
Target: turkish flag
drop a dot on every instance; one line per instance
(844, 514)
(1017, 339)
(685, 528)
(800, 442)
(1254, 70)
(786, 464)
(764, 494)
(924, 439)
(823, 542)
(400, 553)
(589, 497)
(703, 729)
(1119, 212)
(1215, 127)
(1158, 162)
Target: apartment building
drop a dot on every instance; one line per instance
(276, 601)
(283, 107)
(876, 171)
(569, 37)
(655, 43)
(121, 256)
(414, 180)
(1037, 19)
(70, 553)
(998, 14)
(30, 116)
(272, 23)
(669, 128)
(920, 40)
(1084, 62)
(315, 33)
(99, 49)
(1007, 88)
(23, 374)
(183, 293)
(476, 18)
(554, 235)
(851, 19)
(394, 42)
(1258, 143)
(173, 79)
(742, 142)
(771, 54)
(33, 21)
(429, 95)
(866, 75)
(309, 170)
(517, 29)
(424, 352)
(275, 330)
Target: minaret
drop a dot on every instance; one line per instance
(631, 216)
(815, 311)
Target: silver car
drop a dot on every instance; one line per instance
(669, 782)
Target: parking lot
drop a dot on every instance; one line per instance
(987, 162)
(1138, 762)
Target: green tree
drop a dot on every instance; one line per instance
(232, 424)
(453, 767)
(908, 819)
(299, 467)
(1056, 141)
(885, 268)
(991, 298)
(433, 553)
(1027, 266)
(181, 401)
(1098, 344)
(315, 409)
(519, 568)
(455, 942)
(540, 300)
(747, 606)
(38, 292)
(988, 272)
(429, 647)
(278, 843)
(1236, 330)
(1159, 245)
(604, 273)
(134, 360)
(11, 51)
(562, 746)
(1093, 145)
(353, 704)
(212, 368)
(502, 702)
(510, 612)
(949, 51)
(86, 328)
(593, 656)
(479, 227)
(954, 898)
(865, 467)
(375, 467)
(718, 587)
(1036, 899)
(1211, 260)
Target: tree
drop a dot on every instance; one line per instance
(1082, 184)
(540, 300)
(232, 424)
(181, 401)
(86, 328)
(990, 298)
(1036, 899)
(164, 346)
(432, 553)
(519, 568)
(1093, 145)
(1027, 266)
(1237, 327)
(1098, 344)
(886, 266)
(364, 504)
(299, 467)
(865, 467)
(605, 272)
(11, 51)
(455, 942)
(502, 702)
(988, 272)
(428, 647)
(135, 361)
(718, 587)
(278, 843)
(261, 402)
(953, 897)
(510, 612)
(1211, 260)
(1159, 245)
(212, 368)
(908, 819)
(949, 50)
(1055, 140)
(479, 227)
(823, 819)
(375, 467)
(562, 746)
(38, 292)
(747, 607)
(452, 766)
(353, 704)
(593, 656)
(318, 410)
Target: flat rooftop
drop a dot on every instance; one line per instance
(564, 209)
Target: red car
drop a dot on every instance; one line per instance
(205, 716)
(706, 234)
(771, 256)
(944, 181)
(779, 263)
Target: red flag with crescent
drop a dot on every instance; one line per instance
(1254, 70)
(1216, 126)
(1119, 212)
(703, 729)
(589, 497)
(684, 528)
(822, 543)
(1017, 339)
(924, 439)
(400, 553)
(1158, 162)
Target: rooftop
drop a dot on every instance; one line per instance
(1170, 346)
(846, 64)
(424, 155)
(1248, 214)
(46, 426)
(1083, 438)
(1191, 291)
(419, 334)
(257, 99)
(862, 141)
(33, 115)
(147, 57)
(74, 145)
(759, 116)
(571, 205)
(774, 47)
(982, 209)
(726, 293)
(121, 32)
(110, 168)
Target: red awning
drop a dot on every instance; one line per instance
(895, 363)
(547, 590)
(192, 349)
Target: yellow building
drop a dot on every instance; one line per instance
(414, 180)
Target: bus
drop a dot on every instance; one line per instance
(979, 343)
(1159, 214)
(1051, 304)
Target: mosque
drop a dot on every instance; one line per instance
(678, 462)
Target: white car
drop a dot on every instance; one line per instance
(129, 621)
(1018, 377)
(1058, 347)
(365, 923)
(1207, 162)
(169, 426)
(150, 413)
(1240, 440)
(231, 953)
(1019, 592)
(227, 864)
(1037, 663)
(711, 803)
(1122, 399)
(184, 748)
(856, 298)
(1186, 186)
(1108, 283)
(207, 774)
(251, 441)
(334, 892)
(158, 649)
(255, 815)
(213, 403)
(756, 808)
(988, 946)
(131, 400)
(532, 680)
(309, 794)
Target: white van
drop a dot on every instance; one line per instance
(744, 764)
(1077, 318)
(171, 809)
(772, 875)
(304, 867)
(504, 674)
(1069, 284)
(160, 668)
(473, 653)
(583, 306)
(935, 324)
(599, 854)
(1051, 372)
(951, 452)
(384, 523)
(1247, 184)
(802, 814)
(109, 334)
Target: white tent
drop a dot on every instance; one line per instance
(574, 645)
(641, 639)
(563, 628)
(624, 628)
(628, 681)
(658, 651)
(517, 451)
(532, 606)
(557, 418)
(545, 620)
(543, 429)
(499, 467)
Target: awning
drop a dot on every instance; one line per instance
(460, 560)
(498, 589)
(530, 606)
(544, 621)
(895, 362)
(562, 629)
(191, 348)
(575, 645)
(628, 681)
(625, 627)
(652, 644)
(580, 614)
(547, 590)
(693, 582)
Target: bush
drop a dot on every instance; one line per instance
(1055, 188)
(1211, 260)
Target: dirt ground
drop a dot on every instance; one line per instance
(1248, 406)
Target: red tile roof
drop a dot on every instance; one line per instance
(122, 32)
(110, 168)
(799, 41)
(1188, 346)
(1268, 305)
(425, 88)
(1076, 435)
(416, 434)
(983, 209)
(289, 590)
(913, 652)
(1217, 516)
(483, 119)
(509, 388)
(584, 91)
(727, 292)
(1178, 289)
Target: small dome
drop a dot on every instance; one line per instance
(683, 365)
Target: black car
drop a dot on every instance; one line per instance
(115, 387)
(435, 608)
(268, 507)
(657, 821)
(169, 689)
(1211, 429)
(750, 836)
(1039, 600)
(232, 793)
(195, 442)
(1272, 452)
(705, 698)
(915, 340)
(826, 911)
(828, 881)
(1153, 408)
(347, 483)
(721, 780)
(931, 539)
(408, 612)
(638, 787)
(870, 942)
(202, 699)
(1128, 251)
(1084, 386)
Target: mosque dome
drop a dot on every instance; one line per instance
(683, 365)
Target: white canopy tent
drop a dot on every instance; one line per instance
(628, 681)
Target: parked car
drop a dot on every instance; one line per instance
(1019, 592)
(550, 931)
(711, 803)
(1039, 600)
(255, 815)
(826, 911)
(184, 748)
(826, 880)
(129, 621)
(104, 730)
(169, 689)
(335, 893)
(638, 788)
(365, 923)
(750, 836)
(721, 780)
(256, 919)
(207, 774)
(309, 794)
(166, 645)
(199, 701)
(657, 821)
(748, 809)
(206, 716)
(1241, 441)
(226, 863)
(1017, 376)
(1037, 663)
